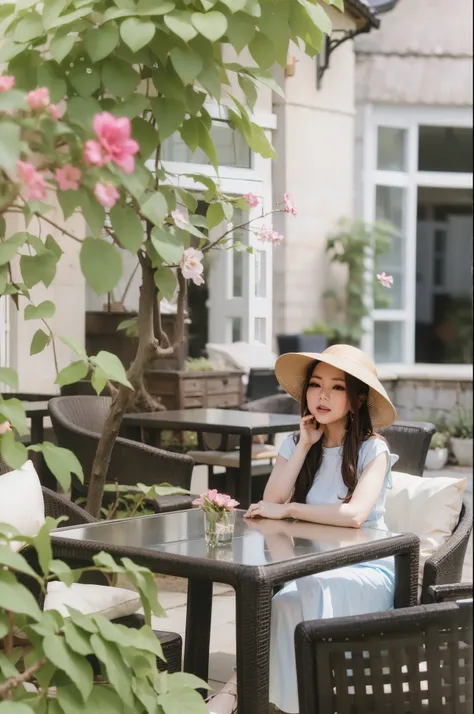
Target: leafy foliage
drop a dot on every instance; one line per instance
(55, 649)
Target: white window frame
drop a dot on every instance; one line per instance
(236, 181)
(408, 118)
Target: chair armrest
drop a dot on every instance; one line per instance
(454, 591)
(445, 566)
(56, 505)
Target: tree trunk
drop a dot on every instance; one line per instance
(147, 346)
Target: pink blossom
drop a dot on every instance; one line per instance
(32, 179)
(7, 82)
(55, 111)
(192, 268)
(385, 280)
(212, 500)
(114, 143)
(68, 177)
(6, 426)
(268, 235)
(289, 204)
(251, 199)
(107, 194)
(38, 99)
(179, 219)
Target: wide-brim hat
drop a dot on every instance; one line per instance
(291, 370)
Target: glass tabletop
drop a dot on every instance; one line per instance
(217, 420)
(256, 542)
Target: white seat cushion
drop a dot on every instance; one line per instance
(427, 506)
(230, 459)
(110, 602)
(21, 501)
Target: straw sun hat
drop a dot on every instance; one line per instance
(291, 370)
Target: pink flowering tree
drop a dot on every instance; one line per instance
(90, 90)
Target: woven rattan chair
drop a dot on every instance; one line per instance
(416, 660)
(78, 422)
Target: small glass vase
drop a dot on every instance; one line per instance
(218, 527)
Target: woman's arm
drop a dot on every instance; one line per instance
(352, 514)
(283, 477)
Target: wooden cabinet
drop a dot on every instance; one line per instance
(187, 390)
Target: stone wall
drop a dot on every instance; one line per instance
(418, 399)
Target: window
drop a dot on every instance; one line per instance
(260, 273)
(390, 206)
(231, 147)
(444, 148)
(260, 329)
(236, 328)
(388, 342)
(391, 149)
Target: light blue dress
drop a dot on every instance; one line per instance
(353, 590)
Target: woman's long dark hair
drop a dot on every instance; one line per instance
(358, 429)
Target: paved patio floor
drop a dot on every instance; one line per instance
(172, 593)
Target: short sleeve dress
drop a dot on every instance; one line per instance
(352, 590)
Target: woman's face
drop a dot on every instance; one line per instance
(327, 396)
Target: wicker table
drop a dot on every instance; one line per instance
(221, 421)
(263, 554)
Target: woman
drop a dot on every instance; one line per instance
(335, 472)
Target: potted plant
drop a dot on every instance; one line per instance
(461, 437)
(313, 339)
(437, 455)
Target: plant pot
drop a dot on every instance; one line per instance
(302, 343)
(218, 527)
(462, 450)
(436, 459)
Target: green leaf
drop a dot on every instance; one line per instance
(52, 10)
(101, 265)
(13, 452)
(262, 50)
(80, 110)
(211, 25)
(61, 46)
(165, 281)
(112, 367)
(42, 544)
(268, 80)
(15, 561)
(45, 309)
(180, 23)
(7, 707)
(53, 247)
(137, 33)
(64, 572)
(29, 28)
(169, 114)
(10, 145)
(119, 77)
(39, 342)
(98, 381)
(187, 64)
(190, 133)
(101, 41)
(155, 208)
(127, 226)
(50, 76)
(14, 412)
(132, 107)
(146, 135)
(116, 669)
(259, 143)
(182, 700)
(10, 247)
(40, 268)
(207, 145)
(72, 373)
(16, 598)
(85, 80)
(9, 377)
(318, 15)
(167, 245)
(94, 213)
(61, 462)
(240, 31)
(74, 665)
(214, 215)
(75, 346)
(77, 639)
(151, 7)
(183, 680)
(13, 99)
(249, 89)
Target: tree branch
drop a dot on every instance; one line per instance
(14, 682)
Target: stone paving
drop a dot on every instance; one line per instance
(173, 596)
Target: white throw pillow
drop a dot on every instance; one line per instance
(21, 501)
(427, 506)
(110, 602)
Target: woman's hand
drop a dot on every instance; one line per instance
(266, 509)
(310, 431)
